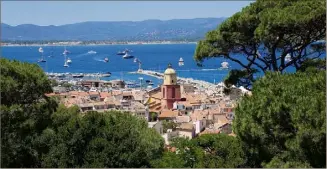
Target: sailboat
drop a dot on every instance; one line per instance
(181, 62)
(128, 56)
(66, 52)
(65, 64)
(41, 51)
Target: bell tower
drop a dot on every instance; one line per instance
(170, 89)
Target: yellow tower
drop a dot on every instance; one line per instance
(170, 77)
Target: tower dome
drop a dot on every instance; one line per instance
(170, 77)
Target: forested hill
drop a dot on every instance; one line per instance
(148, 30)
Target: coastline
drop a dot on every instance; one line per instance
(93, 44)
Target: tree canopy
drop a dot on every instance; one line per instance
(205, 151)
(283, 123)
(25, 112)
(260, 37)
(37, 132)
(98, 140)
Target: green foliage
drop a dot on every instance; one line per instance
(206, 151)
(66, 84)
(22, 83)
(54, 83)
(110, 139)
(168, 125)
(272, 27)
(36, 132)
(319, 64)
(25, 112)
(153, 116)
(283, 123)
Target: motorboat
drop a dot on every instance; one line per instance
(41, 60)
(69, 60)
(66, 64)
(181, 62)
(123, 52)
(81, 75)
(107, 74)
(91, 52)
(106, 60)
(150, 83)
(128, 56)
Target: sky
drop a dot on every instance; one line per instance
(68, 12)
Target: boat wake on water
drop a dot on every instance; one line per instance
(81, 55)
(99, 60)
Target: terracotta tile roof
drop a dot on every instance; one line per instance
(185, 103)
(157, 95)
(105, 94)
(199, 114)
(94, 93)
(183, 119)
(222, 119)
(168, 113)
(186, 126)
(209, 131)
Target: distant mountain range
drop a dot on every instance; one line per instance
(148, 30)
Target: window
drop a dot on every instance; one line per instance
(163, 93)
(172, 81)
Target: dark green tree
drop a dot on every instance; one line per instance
(110, 139)
(25, 112)
(264, 33)
(283, 123)
(205, 151)
(22, 83)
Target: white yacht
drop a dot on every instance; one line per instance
(69, 60)
(128, 56)
(66, 64)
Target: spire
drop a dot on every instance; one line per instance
(169, 65)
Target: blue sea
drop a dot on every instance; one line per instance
(153, 57)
